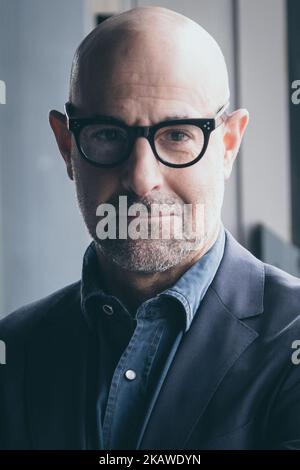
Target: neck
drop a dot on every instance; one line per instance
(133, 288)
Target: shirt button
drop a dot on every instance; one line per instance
(130, 374)
(108, 309)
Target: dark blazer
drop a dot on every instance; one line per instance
(232, 384)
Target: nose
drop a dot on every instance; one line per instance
(142, 173)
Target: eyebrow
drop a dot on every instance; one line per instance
(176, 116)
(166, 118)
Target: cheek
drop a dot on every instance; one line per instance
(200, 183)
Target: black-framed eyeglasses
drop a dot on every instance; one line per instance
(106, 142)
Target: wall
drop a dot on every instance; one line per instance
(264, 90)
(42, 236)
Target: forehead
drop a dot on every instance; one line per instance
(144, 99)
(145, 104)
(141, 78)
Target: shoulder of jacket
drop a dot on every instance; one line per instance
(31, 315)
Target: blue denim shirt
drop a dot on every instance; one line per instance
(135, 353)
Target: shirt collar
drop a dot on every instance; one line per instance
(188, 290)
(191, 287)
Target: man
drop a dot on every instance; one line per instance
(170, 342)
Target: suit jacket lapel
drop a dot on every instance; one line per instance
(209, 349)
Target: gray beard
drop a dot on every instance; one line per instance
(140, 255)
(147, 256)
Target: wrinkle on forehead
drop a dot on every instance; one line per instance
(150, 49)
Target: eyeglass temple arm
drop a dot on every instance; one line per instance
(67, 108)
(221, 115)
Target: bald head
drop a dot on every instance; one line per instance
(152, 50)
(143, 67)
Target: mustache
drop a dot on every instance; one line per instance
(147, 201)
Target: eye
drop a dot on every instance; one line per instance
(108, 134)
(176, 135)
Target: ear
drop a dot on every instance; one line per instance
(58, 122)
(235, 126)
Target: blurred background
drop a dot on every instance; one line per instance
(42, 235)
